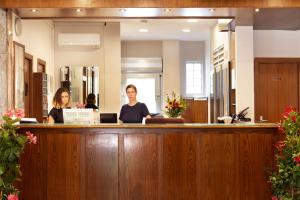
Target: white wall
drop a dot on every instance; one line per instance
(244, 69)
(190, 51)
(79, 56)
(112, 50)
(3, 63)
(171, 70)
(142, 49)
(38, 38)
(276, 43)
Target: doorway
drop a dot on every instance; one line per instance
(28, 84)
(276, 82)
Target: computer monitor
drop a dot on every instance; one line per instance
(108, 118)
(78, 116)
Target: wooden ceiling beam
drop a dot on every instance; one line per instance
(148, 3)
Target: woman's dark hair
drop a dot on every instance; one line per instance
(91, 99)
(131, 86)
(57, 103)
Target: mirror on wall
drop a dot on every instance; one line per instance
(18, 59)
(81, 81)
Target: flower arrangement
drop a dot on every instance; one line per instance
(12, 146)
(285, 180)
(175, 105)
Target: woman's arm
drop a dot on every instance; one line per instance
(51, 120)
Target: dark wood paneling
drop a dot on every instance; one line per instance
(143, 163)
(255, 156)
(101, 173)
(218, 158)
(196, 112)
(141, 166)
(147, 3)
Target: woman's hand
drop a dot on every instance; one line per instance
(51, 120)
(148, 116)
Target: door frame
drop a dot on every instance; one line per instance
(30, 58)
(272, 60)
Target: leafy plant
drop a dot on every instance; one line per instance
(175, 105)
(12, 146)
(285, 179)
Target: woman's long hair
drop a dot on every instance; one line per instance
(57, 103)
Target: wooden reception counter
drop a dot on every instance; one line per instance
(137, 162)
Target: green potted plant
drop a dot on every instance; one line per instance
(285, 180)
(12, 145)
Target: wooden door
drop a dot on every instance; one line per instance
(28, 85)
(276, 86)
(41, 65)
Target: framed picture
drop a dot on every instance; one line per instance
(18, 70)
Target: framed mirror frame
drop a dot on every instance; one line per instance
(18, 75)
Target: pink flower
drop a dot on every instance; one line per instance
(274, 198)
(12, 197)
(19, 113)
(297, 160)
(31, 138)
(9, 113)
(280, 145)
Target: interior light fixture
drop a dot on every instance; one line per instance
(186, 30)
(33, 10)
(122, 10)
(256, 10)
(78, 10)
(167, 10)
(192, 20)
(143, 30)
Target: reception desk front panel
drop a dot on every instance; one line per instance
(136, 162)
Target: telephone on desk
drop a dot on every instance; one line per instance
(241, 116)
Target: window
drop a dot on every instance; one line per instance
(194, 79)
(148, 87)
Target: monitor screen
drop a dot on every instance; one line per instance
(108, 118)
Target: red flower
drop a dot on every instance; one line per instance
(274, 198)
(31, 138)
(297, 160)
(287, 111)
(294, 118)
(12, 197)
(280, 145)
(281, 129)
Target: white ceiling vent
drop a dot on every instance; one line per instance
(79, 39)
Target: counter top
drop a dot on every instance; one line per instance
(154, 126)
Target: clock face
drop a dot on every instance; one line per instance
(18, 26)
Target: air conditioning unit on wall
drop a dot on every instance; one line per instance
(91, 40)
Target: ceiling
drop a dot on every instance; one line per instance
(167, 29)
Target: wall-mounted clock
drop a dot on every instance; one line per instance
(18, 26)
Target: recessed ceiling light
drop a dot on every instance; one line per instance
(192, 20)
(167, 10)
(122, 10)
(256, 10)
(212, 10)
(143, 30)
(34, 10)
(186, 30)
(78, 10)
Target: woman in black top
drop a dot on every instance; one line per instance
(60, 101)
(134, 111)
(90, 102)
